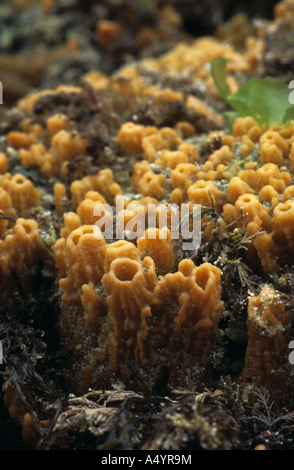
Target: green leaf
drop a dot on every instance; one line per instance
(265, 99)
(218, 72)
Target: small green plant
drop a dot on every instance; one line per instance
(265, 99)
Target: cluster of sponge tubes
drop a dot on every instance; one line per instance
(118, 311)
